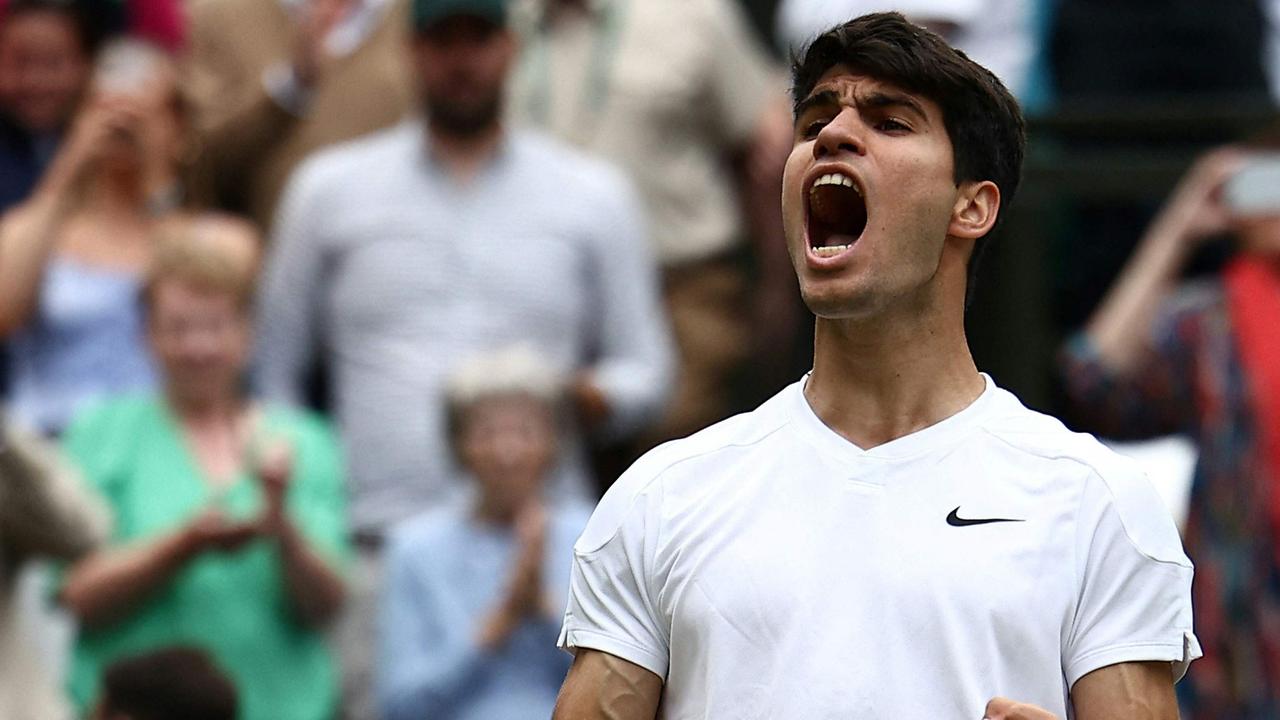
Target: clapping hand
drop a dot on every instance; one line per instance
(524, 596)
(211, 530)
(274, 468)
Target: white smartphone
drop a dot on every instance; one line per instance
(125, 68)
(1255, 188)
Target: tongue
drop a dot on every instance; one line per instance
(836, 206)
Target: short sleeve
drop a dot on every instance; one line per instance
(99, 443)
(612, 606)
(741, 75)
(1134, 602)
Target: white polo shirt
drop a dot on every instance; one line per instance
(768, 568)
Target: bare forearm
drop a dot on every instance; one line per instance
(1128, 691)
(315, 589)
(601, 686)
(27, 238)
(1194, 211)
(1118, 328)
(109, 584)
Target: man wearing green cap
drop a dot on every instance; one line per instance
(441, 238)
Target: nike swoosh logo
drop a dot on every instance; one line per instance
(955, 520)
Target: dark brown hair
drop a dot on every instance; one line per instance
(988, 136)
(176, 683)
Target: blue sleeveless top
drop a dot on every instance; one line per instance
(86, 341)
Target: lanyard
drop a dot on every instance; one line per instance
(595, 91)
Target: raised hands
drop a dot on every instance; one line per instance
(213, 531)
(273, 467)
(524, 597)
(1196, 209)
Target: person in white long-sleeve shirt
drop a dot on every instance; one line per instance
(397, 254)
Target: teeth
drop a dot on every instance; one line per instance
(830, 250)
(835, 179)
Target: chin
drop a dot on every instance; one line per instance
(830, 301)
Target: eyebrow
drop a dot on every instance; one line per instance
(882, 99)
(875, 100)
(824, 97)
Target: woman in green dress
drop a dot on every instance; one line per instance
(229, 528)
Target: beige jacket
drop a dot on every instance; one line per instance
(250, 143)
(45, 511)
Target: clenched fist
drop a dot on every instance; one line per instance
(1006, 709)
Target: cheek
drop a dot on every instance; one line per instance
(792, 185)
(793, 175)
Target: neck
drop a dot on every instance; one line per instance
(877, 379)
(206, 411)
(464, 155)
(493, 513)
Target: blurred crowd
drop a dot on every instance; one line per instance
(324, 322)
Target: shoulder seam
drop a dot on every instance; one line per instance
(1094, 474)
(659, 474)
(1132, 543)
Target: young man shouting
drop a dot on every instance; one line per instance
(893, 536)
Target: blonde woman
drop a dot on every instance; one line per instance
(230, 530)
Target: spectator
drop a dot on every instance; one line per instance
(679, 94)
(170, 684)
(159, 22)
(72, 256)
(44, 512)
(443, 237)
(1203, 358)
(229, 514)
(474, 592)
(274, 80)
(46, 52)
(997, 34)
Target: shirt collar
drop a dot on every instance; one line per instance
(416, 129)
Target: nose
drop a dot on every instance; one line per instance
(842, 134)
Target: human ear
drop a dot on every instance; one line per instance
(975, 211)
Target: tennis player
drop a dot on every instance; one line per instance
(893, 536)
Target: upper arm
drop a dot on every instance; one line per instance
(291, 287)
(606, 687)
(1127, 691)
(1134, 580)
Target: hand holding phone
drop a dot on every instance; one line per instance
(1254, 189)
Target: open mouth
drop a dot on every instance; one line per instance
(837, 214)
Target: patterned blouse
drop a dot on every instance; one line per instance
(1191, 381)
